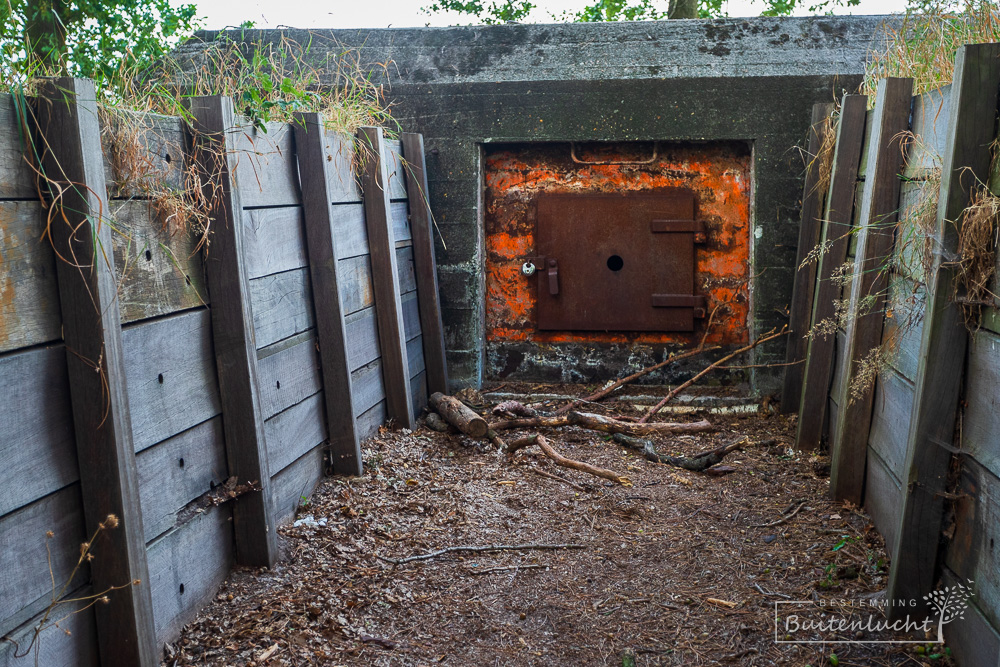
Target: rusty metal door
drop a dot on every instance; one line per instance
(617, 262)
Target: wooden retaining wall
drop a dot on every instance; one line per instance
(256, 358)
(920, 446)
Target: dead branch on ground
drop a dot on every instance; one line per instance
(484, 549)
(561, 460)
(696, 463)
(596, 422)
(666, 399)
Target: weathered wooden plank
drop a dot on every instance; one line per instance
(264, 164)
(832, 411)
(399, 215)
(186, 566)
(177, 471)
(26, 587)
(91, 329)
(77, 647)
(282, 306)
(415, 355)
(891, 419)
(341, 179)
(29, 295)
(292, 433)
(840, 339)
(917, 210)
(883, 500)
(385, 277)
(973, 554)
(321, 232)
(863, 164)
(810, 231)
(295, 483)
(418, 385)
(870, 284)
(362, 338)
(901, 338)
(425, 264)
(368, 386)
(411, 315)
(972, 639)
(215, 153)
(929, 127)
(349, 226)
(288, 376)
(274, 240)
(407, 274)
(838, 213)
(160, 269)
(394, 166)
(355, 278)
(169, 367)
(37, 448)
(368, 423)
(971, 131)
(16, 180)
(143, 153)
(981, 419)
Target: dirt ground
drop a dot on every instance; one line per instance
(680, 568)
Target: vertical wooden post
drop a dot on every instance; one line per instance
(805, 276)
(214, 124)
(971, 131)
(385, 278)
(81, 236)
(839, 209)
(876, 223)
(424, 263)
(311, 149)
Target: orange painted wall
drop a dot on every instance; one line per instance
(718, 173)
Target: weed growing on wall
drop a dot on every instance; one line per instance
(923, 46)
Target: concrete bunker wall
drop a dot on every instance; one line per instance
(471, 89)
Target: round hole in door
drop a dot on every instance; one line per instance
(182, 589)
(615, 263)
(181, 462)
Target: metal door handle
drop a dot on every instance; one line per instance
(553, 277)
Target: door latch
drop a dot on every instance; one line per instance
(553, 272)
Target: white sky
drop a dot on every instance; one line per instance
(403, 13)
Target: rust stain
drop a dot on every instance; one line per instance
(719, 174)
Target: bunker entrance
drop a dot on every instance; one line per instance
(594, 248)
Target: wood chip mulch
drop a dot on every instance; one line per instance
(681, 568)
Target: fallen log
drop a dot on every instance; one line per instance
(456, 413)
(698, 463)
(561, 460)
(604, 424)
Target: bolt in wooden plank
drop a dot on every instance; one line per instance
(869, 285)
(971, 131)
(213, 151)
(813, 198)
(425, 264)
(81, 235)
(836, 238)
(385, 279)
(313, 146)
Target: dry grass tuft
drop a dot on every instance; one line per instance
(924, 46)
(976, 270)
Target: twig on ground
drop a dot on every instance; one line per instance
(483, 549)
(561, 460)
(763, 592)
(507, 568)
(782, 520)
(557, 478)
(666, 399)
